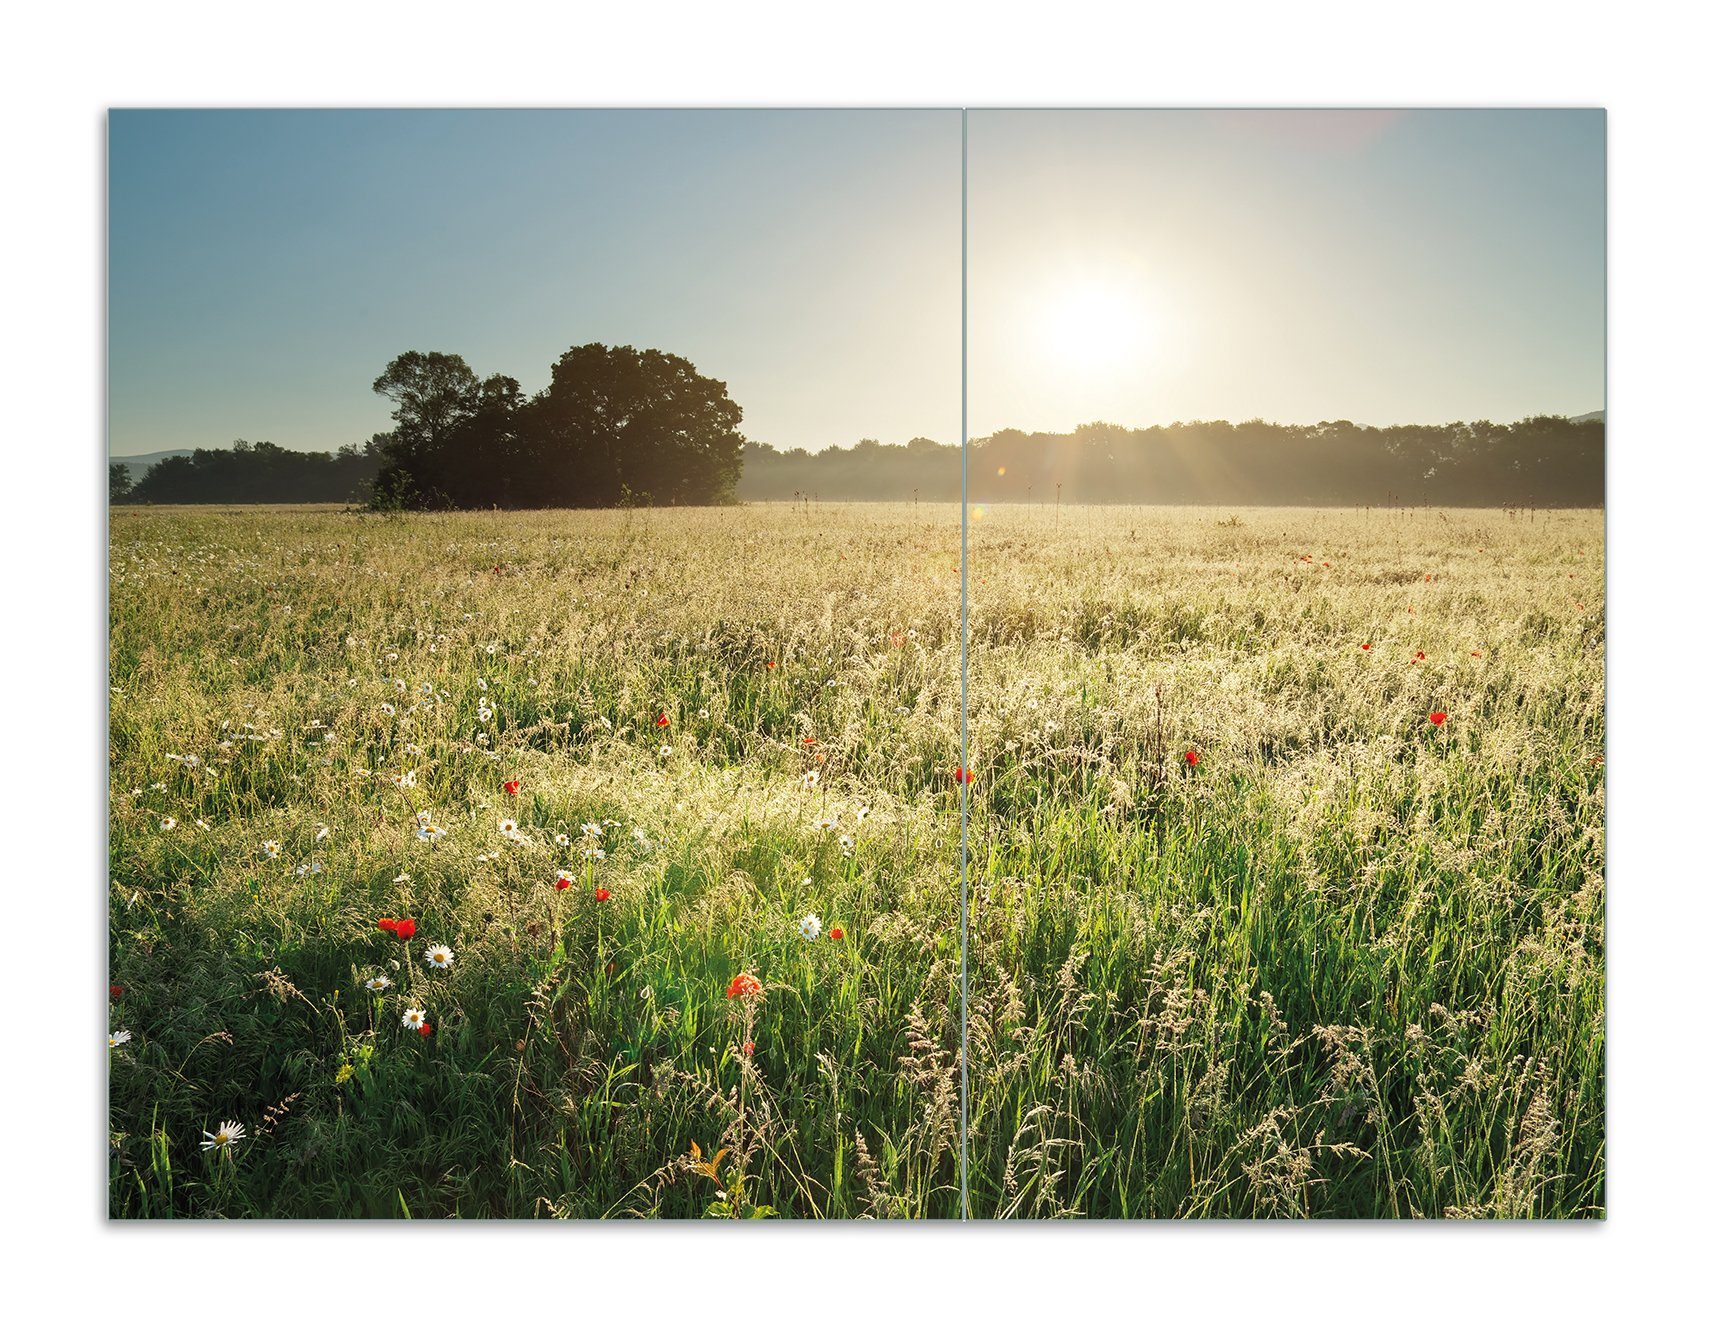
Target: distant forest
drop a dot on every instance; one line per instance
(1545, 461)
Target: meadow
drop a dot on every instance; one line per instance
(1286, 863)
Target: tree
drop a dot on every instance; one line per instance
(615, 426)
(118, 481)
(618, 426)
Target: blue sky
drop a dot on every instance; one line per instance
(265, 266)
(1136, 266)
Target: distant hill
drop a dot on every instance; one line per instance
(143, 460)
(1592, 415)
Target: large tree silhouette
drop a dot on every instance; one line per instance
(615, 426)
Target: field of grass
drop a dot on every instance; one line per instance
(1348, 963)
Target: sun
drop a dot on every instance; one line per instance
(1094, 326)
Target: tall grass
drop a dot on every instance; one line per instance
(1348, 964)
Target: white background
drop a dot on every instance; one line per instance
(62, 66)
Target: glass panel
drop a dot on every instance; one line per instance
(1287, 693)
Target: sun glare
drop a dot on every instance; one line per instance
(1094, 326)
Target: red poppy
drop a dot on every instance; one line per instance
(809, 742)
(405, 928)
(115, 990)
(744, 986)
(425, 1028)
(387, 925)
(962, 776)
(1476, 654)
(772, 664)
(1421, 656)
(602, 893)
(750, 1047)
(836, 934)
(1437, 718)
(661, 721)
(1192, 757)
(562, 883)
(511, 786)
(1365, 646)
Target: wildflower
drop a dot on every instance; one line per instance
(591, 828)
(744, 986)
(811, 779)
(1437, 718)
(438, 957)
(594, 852)
(602, 894)
(322, 833)
(230, 1133)
(117, 1037)
(343, 1074)
(415, 1017)
(1365, 646)
(508, 828)
(167, 823)
(403, 879)
(425, 1028)
(562, 839)
(749, 1047)
(962, 776)
(270, 848)
(666, 750)
(512, 786)
(773, 664)
(836, 934)
(809, 927)
(828, 821)
(115, 991)
(427, 830)
(1421, 656)
(562, 882)
(380, 983)
(661, 721)
(1192, 757)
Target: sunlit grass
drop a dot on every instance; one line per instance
(1349, 964)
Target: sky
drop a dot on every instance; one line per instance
(265, 266)
(1141, 267)
(1137, 267)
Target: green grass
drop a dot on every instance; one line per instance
(1349, 965)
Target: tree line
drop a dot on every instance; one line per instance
(617, 426)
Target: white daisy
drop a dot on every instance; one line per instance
(666, 750)
(438, 957)
(591, 828)
(811, 779)
(230, 1133)
(271, 848)
(117, 1037)
(167, 823)
(508, 828)
(562, 839)
(415, 1017)
(380, 983)
(809, 927)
